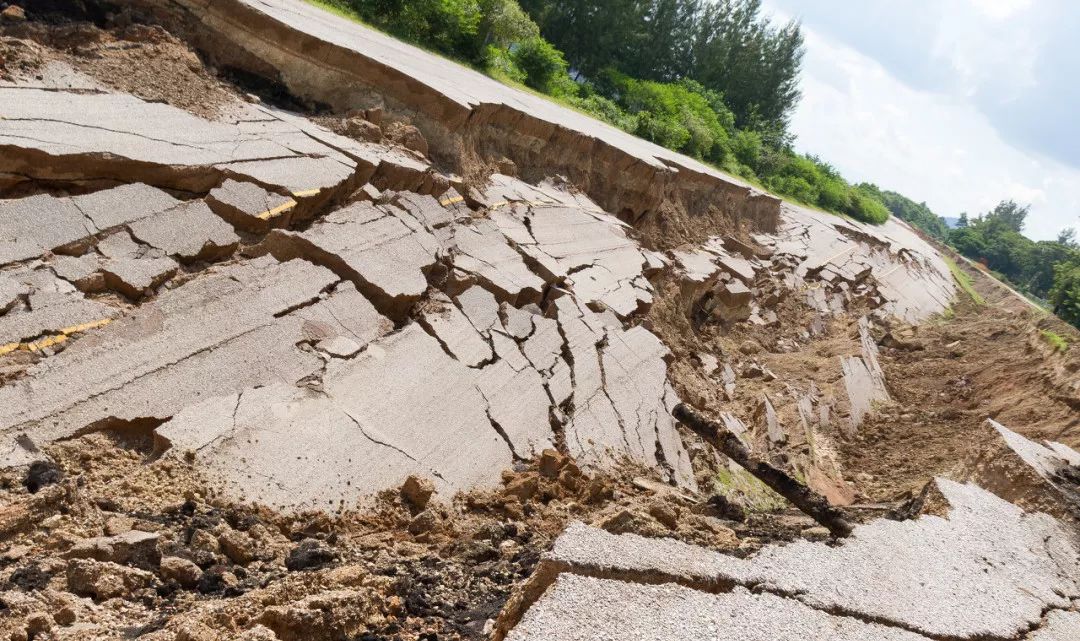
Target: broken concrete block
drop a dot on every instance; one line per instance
(51, 319)
(234, 327)
(123, 205)
(83, 272)
(482, 251)
(455, 333)
(385, 254)
(134, 277)
(32, 226)
(1034, 476)
(430, 420)
(988, 570)
(730, 302)
(187, 232)
(580, 607)
(249, 207)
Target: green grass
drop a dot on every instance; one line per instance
(1057, 341)
(338, 8)
(965, 281)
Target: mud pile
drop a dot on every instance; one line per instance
(268, 374)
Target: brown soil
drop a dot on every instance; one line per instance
(143, 60)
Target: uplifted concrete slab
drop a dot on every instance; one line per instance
(1043, 477)
(233, 328)
(189, 231)
(248, 206)
(591, 251)
(385, 253)
(579, 607)
(336, 61)
(295, 449)
(987, 571)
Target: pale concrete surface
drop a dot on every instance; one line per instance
(988, 570)
(582, 608)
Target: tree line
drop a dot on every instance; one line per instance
(714, 79)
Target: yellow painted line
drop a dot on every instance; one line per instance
(306, 193)
(450, 201)
(48, 341)
(55, 339)
(276, 211)
(502, 203)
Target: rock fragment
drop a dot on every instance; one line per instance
(249, 207)
(139, 549)
(188, 232)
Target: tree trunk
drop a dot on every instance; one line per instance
(802, 497)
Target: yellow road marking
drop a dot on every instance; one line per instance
(450, 201)
(306, 193)
(276, 211)
(54, 339)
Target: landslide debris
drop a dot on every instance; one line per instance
(266, 376)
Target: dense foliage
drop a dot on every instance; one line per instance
(713, 79)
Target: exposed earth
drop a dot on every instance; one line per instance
(308, 334)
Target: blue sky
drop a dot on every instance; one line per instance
(960, 103)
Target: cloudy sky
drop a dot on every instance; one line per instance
(960, 103)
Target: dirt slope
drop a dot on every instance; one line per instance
(225, 362)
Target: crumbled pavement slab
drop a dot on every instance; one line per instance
(987, 570)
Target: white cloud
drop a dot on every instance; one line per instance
(932, 146)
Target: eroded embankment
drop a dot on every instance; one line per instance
(471, 121)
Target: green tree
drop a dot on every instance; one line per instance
(543, 65)
(1064, 296)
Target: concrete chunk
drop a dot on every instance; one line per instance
(249, 207)
(134, 277)
(187, 232)
(988, 570)
(579, 607)
(377, 250)
(122, 205)
(429, 420)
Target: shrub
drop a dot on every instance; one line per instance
(543, 65)
(867, 208)
(746, 146)
(500, 65)
(665, 132)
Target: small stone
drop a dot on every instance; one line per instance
(105, 580)
(423, 522)
(40, 474)
(258, 633)
(408, 137)
(13, 13)
(238, 546)
(118, 525)
(361, 129)
(524, 487)
(184, 572)
(203, 540)
(133, 547)
(217, 579)
(750, 347)
(37, 624)
(665, 513)
(65, 616)
(815, 533)
(417, 492)
(310, 554)
(551, 463)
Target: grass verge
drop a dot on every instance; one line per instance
(1057, 341)
(964, 280)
